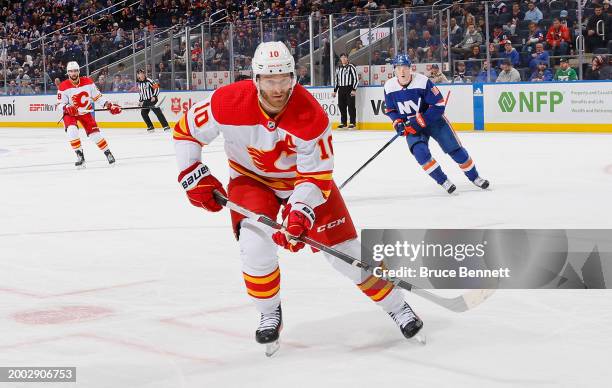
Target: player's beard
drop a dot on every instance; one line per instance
(74, 78)
(274, 104)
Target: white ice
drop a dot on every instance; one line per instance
(111, 270)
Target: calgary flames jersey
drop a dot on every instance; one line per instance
(291, 153)
(81, 95)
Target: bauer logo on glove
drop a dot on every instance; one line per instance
(200, 185)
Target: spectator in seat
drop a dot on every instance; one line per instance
(474, 60)
(164, 77)
(558, 38)
(511, 54)
(533, 13)
(508, 73)
(221, 59)
(541, 73)
(535, 36)
(600, 69)
(540, 55)
(565, 72)
(456, 32)
(303, 78)
(377, 59)
(483, 74)
(12, 89)
(26, 86)
(436, 76)
(517, 13)
(593, 40)
(499, 37)
(428, 43)
(209, 53)
(356, 47)
(461, 76)
(471, 38)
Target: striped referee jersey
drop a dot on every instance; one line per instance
(346, 76)
(147, 89)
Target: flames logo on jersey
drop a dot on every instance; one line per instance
(276, 159)
(81, 100)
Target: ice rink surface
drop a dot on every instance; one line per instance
(111, 270)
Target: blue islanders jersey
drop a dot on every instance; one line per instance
(419, 96)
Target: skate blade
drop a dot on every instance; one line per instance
(81, 167)
(272, 348)
(420, 339)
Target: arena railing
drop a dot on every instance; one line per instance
(184, 68)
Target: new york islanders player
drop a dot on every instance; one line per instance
(279, 145)
(75, 98)
(416, 107)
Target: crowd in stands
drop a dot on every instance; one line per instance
(529, 40)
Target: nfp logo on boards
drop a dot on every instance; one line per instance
(529, 101)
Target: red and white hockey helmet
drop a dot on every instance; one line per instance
(72, 66)
(272, 58)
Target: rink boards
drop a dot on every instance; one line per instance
(536, 107)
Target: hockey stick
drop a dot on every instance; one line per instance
(369, 160)
(379, 151)
(458, 304)
(157, 105)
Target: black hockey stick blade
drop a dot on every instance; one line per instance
(459, 303)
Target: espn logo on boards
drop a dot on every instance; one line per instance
(42, 107)
(331, 225)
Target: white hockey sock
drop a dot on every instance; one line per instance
(73, 136)
(97, 138)
(260, 266)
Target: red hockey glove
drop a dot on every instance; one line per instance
(299, 218)
(417, 122)
(71, 110)
(199, 185)
(400, 127)
(114, 109)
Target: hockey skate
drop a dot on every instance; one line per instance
(482, 183)
(80, 163)
(150, 130)
(449, 186)
(166, 129)
(409, 323)
(109, 157)
(268, 332)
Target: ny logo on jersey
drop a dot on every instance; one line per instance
(408, 107)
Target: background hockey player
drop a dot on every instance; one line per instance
(416, 107)
(76, 97)
(278, 142)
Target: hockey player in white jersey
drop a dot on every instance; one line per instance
(279, 147)
(75, 98)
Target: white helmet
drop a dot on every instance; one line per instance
(72, 66)
(272, 58)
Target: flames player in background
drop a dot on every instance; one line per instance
(417, 107)
(75, 97)
(279, 145)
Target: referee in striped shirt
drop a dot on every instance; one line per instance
(346, 87)
(149, 92)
